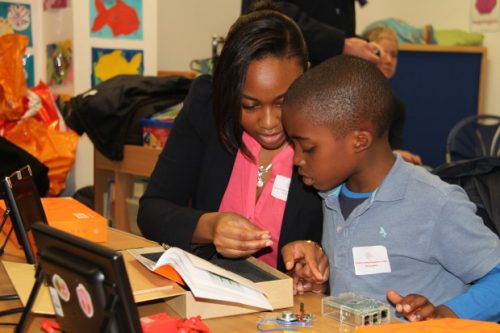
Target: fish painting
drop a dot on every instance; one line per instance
(116, 63)
(121, 18)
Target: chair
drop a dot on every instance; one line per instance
(474, 137)
(23, 201)
(480, 179)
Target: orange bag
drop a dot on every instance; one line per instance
(50, 146)
(12, 78)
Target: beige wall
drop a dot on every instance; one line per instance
(83, 172)
(185, 29)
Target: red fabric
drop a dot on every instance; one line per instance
(162, 323)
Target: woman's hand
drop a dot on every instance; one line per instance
(308, 265)
(417, 307)
(233, 235)
(358, 47)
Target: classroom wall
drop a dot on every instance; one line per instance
(83, 171)
(185, 29)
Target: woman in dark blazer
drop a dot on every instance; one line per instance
(328, 27)
(228, 122)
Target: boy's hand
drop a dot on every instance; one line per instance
(308, 264)
(417, 307)
(301, 286)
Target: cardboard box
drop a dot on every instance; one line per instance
(148, 286)
(278, 291)
(69, 215)
(144, 287)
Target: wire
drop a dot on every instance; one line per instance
(8, 297)
(8, 324)
(11, 311)
(280, 327)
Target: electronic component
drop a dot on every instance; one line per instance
(286, 320)
(355, 310)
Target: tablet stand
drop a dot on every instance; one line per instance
(31, 300)
(4, 219)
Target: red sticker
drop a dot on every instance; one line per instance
(61, 287)
(85, 300)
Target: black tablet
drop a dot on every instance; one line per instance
(88, 283)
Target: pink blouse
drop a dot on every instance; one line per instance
(267, 212)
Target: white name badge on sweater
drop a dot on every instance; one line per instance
(371, 260)
(280, 187)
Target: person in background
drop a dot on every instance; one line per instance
(225, 180)
(387, 40)
(328, 27)
(391, 229)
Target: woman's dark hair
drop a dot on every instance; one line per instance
(254, 36)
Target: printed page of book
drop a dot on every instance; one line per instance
(205, 279)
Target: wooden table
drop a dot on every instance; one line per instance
(120, 240)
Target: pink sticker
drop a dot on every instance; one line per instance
(85, 300)
(61, 287)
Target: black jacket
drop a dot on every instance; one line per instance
(324, 23)
(480, 178)
(191, 177)
(110, 113)
(396, 128)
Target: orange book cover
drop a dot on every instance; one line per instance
(69, 215)
(445, 325)
(75, 218)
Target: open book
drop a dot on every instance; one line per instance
(205, 279)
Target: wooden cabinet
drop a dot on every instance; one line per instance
(137, 161)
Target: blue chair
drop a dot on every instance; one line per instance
(474, 137)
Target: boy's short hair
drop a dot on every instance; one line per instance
(340, 93)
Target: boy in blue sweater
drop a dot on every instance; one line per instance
(390, 228)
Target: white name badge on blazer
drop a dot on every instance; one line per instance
(371, 260)
(280, 187)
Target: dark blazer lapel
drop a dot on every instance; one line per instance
(292, 208)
